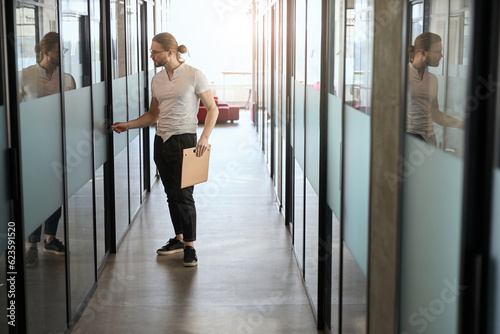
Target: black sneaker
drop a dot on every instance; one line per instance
(54, 247)
(173, 245)
(31, 257)
(190, 259)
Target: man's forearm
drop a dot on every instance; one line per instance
(210, 120)
(144, 120)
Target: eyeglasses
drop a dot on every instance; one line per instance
(64, 50)
(154, 52)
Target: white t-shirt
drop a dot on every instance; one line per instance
(33, 82)
(178, 101)
(420, 95)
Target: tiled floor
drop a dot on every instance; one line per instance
(247, 279)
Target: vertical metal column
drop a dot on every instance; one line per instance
(109, 165)
(478, 167)
(324, 214)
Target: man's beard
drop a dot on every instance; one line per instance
(157, 64)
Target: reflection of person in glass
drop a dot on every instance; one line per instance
(176, 94)
(423, 108)
(37, 81)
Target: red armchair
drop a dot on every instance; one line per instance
(226, 112)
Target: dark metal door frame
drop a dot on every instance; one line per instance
(16, 193)
(478, 168)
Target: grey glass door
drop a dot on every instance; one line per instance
(42, 164)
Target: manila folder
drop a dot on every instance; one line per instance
(194, 169)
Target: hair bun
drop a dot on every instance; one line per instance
(37, 48)
(411, 49)
(182, 49)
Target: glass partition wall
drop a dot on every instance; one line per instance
(433, 175)
(79, 146)
(99, 129)
(276, 105)
(298, 128)
(134, 108)
(119, 84)
(282, 65)
(430, 188)
(62, 101)
(142, 104)
(348, 142)
(41, 130)
(312, 145)
(334, 159)
(269, 111)
(359, 23)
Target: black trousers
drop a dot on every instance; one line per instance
(50, 227)
(168, 159)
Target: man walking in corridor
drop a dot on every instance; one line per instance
(176, 93)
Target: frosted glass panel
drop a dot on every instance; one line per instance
(432, 198)
(121, 194)
(121, 158)
(119, 112)
(142, 102)
(299, 212)
(42, 162)
(134, 145)
(152, 170)
(4, 198)
(311, 243)
(133, 103)
(150, 78)
(78, 138)
(312, 137)
(494, 321)
(334, 141)
(356, 184)
(99, 92)
(99, 214)
(299, 123)
(312, 130)
(80, 232)
(135, 175)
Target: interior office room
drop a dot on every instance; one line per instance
(354, 174)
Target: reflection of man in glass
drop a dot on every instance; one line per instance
(37, 81)
(42, 79)
(423, 108)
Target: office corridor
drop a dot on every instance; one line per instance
(247, 280)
